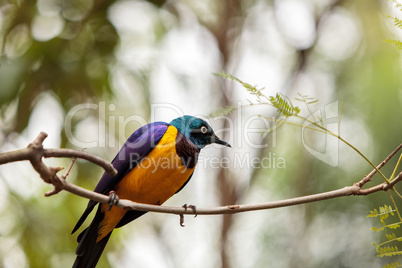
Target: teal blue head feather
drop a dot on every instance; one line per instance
(197, 130)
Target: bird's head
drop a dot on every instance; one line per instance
(197, 130)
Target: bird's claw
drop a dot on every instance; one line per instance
(194, 208)
(113, 200)
(185, 206)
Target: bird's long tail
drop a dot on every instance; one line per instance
(88, 250)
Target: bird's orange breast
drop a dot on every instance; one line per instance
(154, 180)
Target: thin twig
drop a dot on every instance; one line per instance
(374, 171)
(381, 187)
(83, 155)
(69, 168)
(36, 145)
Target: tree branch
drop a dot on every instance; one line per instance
(35, 152)
(35, 149)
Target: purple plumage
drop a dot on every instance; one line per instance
(137, 146)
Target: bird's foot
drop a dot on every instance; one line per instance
(194, 208)
(113, 200)
(185, 206)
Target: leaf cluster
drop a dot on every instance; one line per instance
(388, 251)
(397, 23)
(396, 43)
(393, 265)
(385, 211)
(284, 107)
(388, 247)
(253, 90)
(282, 104)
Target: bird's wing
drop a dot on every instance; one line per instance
(138, 145)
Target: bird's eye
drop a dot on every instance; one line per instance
(204, 129)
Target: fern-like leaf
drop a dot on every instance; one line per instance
(373, 213)
(252, 89)
(391, 236)
(384, 212)
(283, 106)
(395, 43)
(392, 265)
(390, 226)
(397, 21)
(222, 112)
(388, 251)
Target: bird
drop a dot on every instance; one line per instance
(155, 163)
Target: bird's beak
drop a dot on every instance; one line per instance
(215, 139)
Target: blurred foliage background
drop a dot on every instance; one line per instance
(90, 72)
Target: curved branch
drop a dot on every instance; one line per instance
(35, 152)
(231, 209)
(107, 166)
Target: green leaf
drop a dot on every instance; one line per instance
(222, 112)
(388, 251)
(395, 43)
(392, 265)
(391, 236)
(284, 107)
